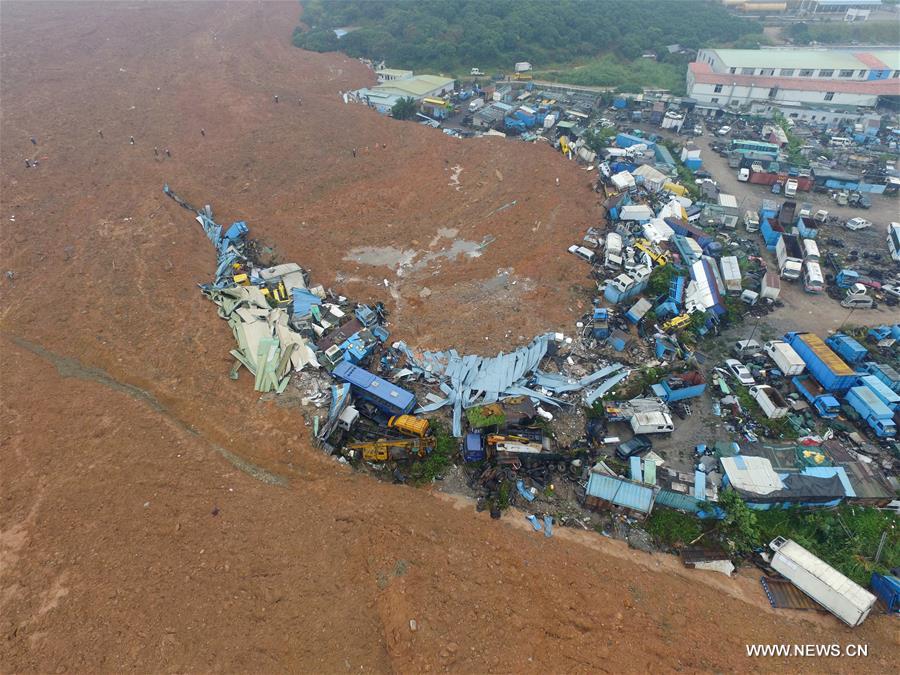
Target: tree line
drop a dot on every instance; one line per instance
(453, 35)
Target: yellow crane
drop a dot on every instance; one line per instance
(386, 449)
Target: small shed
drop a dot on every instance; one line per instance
(619, 494)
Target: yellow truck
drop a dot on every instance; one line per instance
(409, 425)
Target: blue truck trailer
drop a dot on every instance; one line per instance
(826, 405)
(387, 397)
(873, 411)
(847, 348)
(824, 365)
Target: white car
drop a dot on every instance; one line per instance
(857, 224)
(740, 371)
(724, 131)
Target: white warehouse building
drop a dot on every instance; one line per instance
(809, 77)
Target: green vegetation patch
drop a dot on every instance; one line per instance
(456, 35)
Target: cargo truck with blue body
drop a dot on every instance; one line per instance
(847, 348)
(873, 411)
(826, 405)
(824, 365)
(887, 395)
(885, 373)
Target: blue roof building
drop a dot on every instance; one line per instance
(611, 492)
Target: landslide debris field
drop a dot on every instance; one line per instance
(156, 515)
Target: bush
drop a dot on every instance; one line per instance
(846, 538)
(438, 460)
(673, 528)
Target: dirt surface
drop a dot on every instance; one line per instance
(157, 516)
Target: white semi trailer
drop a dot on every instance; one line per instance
(844, 598)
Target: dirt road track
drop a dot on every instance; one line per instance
(129, 539)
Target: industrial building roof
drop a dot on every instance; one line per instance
(705, 75)
(751, 474)
(418, 85)
(621, 492)
(877, 59)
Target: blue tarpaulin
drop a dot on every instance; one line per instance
(304, 301)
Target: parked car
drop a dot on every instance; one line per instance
(744, 348)
(724, 131)
(635, 446)
(740, 372)
(698, 130)
(857, 224)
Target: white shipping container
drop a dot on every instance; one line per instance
(784, 356)
(731, 274)
(771, 286)
(844, 598)
(652, 423)
(771, 402)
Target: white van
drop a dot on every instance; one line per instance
(841, 141)
(813, 282)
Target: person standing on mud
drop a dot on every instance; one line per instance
(354, 152)
(276, 98)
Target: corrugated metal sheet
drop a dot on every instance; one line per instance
(635, 467)
(783, 594)
(751, 474)
(621, 492)
(834, 362)
(650, 473)
(678, 501)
